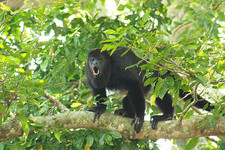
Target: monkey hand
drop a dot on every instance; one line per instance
(138, 122)
(98, 110)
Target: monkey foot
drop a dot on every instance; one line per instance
(156, 118)
(98, 110)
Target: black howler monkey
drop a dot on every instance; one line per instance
(111, 72)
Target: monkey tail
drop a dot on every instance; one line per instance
(201, 101)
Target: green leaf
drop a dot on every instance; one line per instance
(25, 126)
(120, 29)
(221, 144)
(108, 139)
(102, 141)
(191, 143)
(33, 101)
(12, 60)
(2, 109)
(125, 147)
(57, 135)
(170, 81)
(163, 90)
(79, 142)
(121, 7)
(158, 86)
(103, 2)
(211, 122)
(2, 58)
(90, 140)
(44, 65)
(132, 31)
(113, 48)
(112, 38)
(152, 100)
(155, 60)
(115, 134)
(201, 79)
(134, 65)
(125, 52)
(110, 31)
(145, 17)
(176, 97)
(4, 7)
(206, 106)
(149, 81)
(189, 114)
(1, 146)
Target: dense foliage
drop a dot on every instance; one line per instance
(43, 49)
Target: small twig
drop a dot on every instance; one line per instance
(178, 66)
(65, 83)
(4, 20)
(217, 5)
(62, 107)
(67, 92)
(185, 96)
(189, 106)
(172, 70)
(79, 87)
(211, 76)
(197, 110)
(217, 81)
(211, 139)
(3, 89)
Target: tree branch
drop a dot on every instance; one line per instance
(190, 105)
(61, 107)
(197, 126)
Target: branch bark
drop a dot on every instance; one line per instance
(61, 107)
(197, 126)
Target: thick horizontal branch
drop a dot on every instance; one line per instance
(197, 126)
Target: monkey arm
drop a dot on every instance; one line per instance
(100, 95)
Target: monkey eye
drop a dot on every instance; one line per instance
(91, 59)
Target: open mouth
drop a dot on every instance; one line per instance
(95, 71)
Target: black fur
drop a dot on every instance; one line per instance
(105, 71)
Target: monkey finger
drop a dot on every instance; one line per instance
(95, 116)
(138, 127)
(138, 122)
